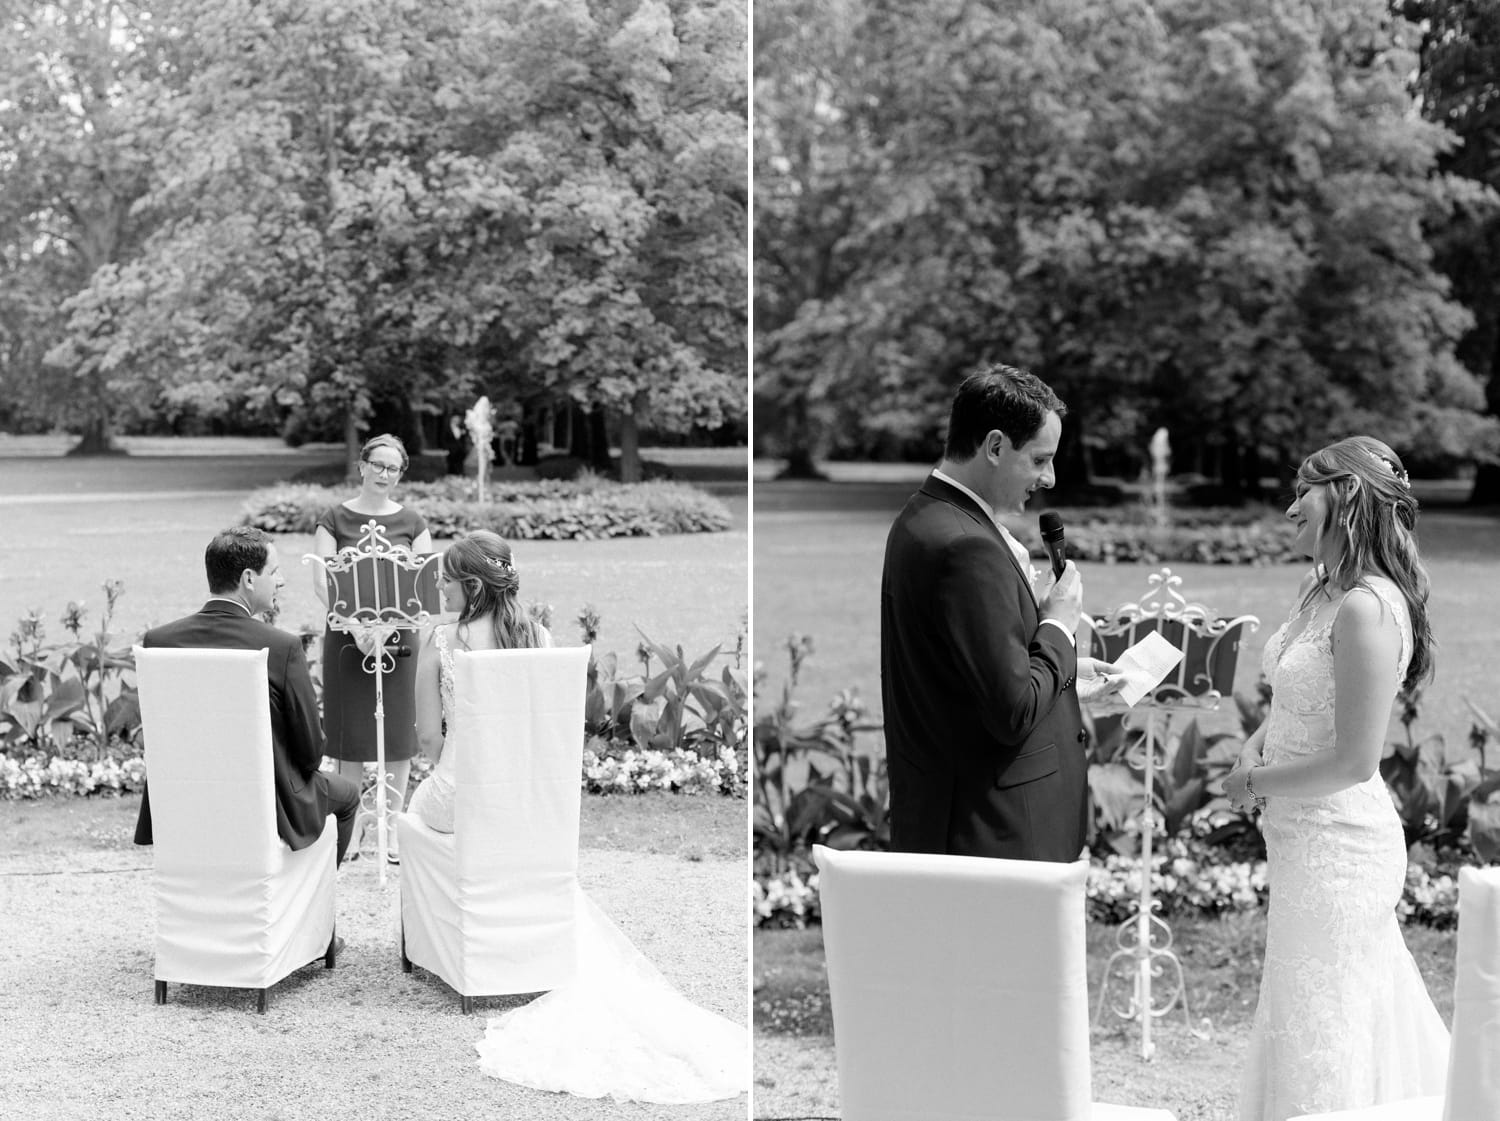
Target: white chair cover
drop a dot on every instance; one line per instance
(234, 905)
(1473, 1087)
(1474, 1058)
(959, 988)
(490, 907)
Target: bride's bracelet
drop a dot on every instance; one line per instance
(1260, 803)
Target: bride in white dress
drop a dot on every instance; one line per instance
(1344, 1019)
(618, 1029)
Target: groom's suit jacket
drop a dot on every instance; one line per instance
(984, 741)
(296, 729)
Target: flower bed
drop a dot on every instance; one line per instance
(678, 771)
(1187, 878)
(553, 509)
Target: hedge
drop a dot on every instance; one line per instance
(551, 509)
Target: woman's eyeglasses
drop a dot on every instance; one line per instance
(383, 468)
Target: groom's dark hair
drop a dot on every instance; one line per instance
(231, 552)
(998, 397)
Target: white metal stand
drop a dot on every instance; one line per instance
(374, 593)
(1144, 939)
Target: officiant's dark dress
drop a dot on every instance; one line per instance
(349, 688)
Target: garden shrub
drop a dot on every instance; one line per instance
(1220, 535)
(587, 508)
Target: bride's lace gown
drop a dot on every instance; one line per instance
(618, 1029)
(1344, 1019)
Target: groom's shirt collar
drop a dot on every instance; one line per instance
(226, 599)
(989, 511)
(1022, 554)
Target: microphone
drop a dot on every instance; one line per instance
(1051, 525)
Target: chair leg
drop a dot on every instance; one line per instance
(331, 957)
(260, 1001)
(405, 961)
(161, 992)
(467, 1004)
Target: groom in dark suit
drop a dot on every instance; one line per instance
(244, 579)
(984, 741)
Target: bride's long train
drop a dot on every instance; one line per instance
(618, 1029)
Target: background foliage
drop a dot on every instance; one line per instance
(262, 210)
(1234, 219)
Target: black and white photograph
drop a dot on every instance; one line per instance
(374, 575)
(1126, 500)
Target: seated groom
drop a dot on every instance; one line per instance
(244, 579)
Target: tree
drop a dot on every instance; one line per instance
(79, 81)
(1459, 84)
(420, 202)
(1200, 214)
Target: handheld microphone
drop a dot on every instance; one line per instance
(1051, 525)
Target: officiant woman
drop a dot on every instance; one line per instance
(348, 688)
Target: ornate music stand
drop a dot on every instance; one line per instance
(1199, 682)
(375, 591)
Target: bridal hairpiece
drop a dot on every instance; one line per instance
(503, 565)
(1390, 465)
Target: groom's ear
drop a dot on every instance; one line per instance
(994, 443)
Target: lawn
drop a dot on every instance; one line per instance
(818, 549)
(795, 1075)
(71, 524)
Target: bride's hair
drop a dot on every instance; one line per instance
(481, 562)
(1371, 521)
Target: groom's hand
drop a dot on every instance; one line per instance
(1064, 600)
(1098, 680)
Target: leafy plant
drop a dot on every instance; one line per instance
(87, 684)
(1484, 800)
(111, 704)
(1188, 779)
(680, 706)
(1434, 784)
(812, 785)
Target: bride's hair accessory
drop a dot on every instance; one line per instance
(1397, 473)
(503, 565)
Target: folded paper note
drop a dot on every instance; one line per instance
(1145, 665)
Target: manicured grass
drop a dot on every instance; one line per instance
(1221, 960)
(100, 520)
(818, 551)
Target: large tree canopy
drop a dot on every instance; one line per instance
(1208, 214)
(1459, 84)
(366, 199)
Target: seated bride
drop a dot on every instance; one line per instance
(478, 583)
(618, 1028)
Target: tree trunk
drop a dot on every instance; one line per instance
(97, 439)
(598, 431)
(630, 446)
(799, 441)
(351, 443)
(800, 464)
(1486, 490)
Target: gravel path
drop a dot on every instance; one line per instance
(81, 1038)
